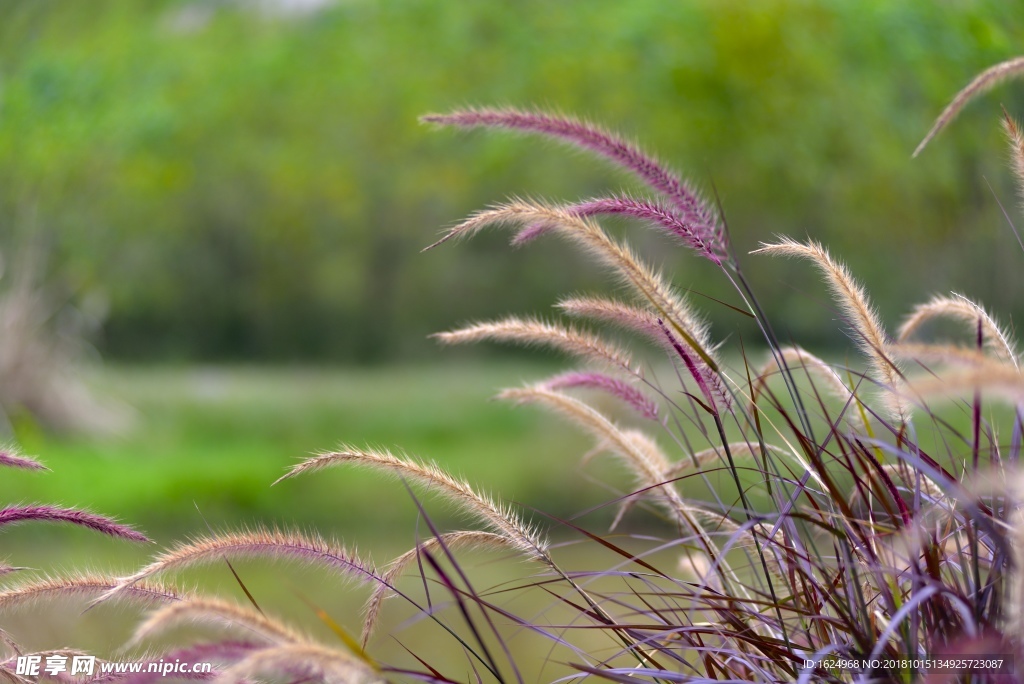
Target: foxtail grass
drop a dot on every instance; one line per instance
(766, 515)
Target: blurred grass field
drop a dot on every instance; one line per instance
(215, 438)
(208, 441)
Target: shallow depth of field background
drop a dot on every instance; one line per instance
(235, 195)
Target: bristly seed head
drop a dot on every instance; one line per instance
(500, 518)
(853, 301)
(983, 82)
(635, 398)
(17, 514)
(10, 458)
(686, 200)
(309, 549)
(691, 230)
(85, 585)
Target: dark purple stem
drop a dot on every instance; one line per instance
(692, 366)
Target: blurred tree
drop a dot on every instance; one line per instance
(243, 181)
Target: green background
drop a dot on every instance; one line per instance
(225, 182)
(232, 197)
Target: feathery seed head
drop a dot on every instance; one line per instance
(708, 381)
(500, 518)
(691, 230)
(635, 398)
(1015, 138)
(13, 515)
(853, 302)
(85, 585)
(962, 309)
(982, 83)
(528, 331)
(295, 546)
(649, 286)
(255, 624)
(619, 314)
(690, 205)
(12, 459)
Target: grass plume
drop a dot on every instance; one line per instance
(309, 549)
(502, 519)
(640, 402)
(963, 310)
(853, 301)
(10, 458)
(1015, 138)
(981, 83)
(529, 331)
(254, 624)
(686, 200)
(690, 231)
(648, 285)
(85, 586)
(13, 515)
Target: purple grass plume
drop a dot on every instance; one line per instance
(595, 139)
(529, 233)
(640, 402)
(74, 516)
(692, 230)
(11, 459)
(707, 380)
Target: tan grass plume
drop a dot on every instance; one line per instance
(454, 541)
(961, 309)
(798, 357)
(310, 549)
(649, 285)
(982, 83)
(853, 301)
(623, 316)
(502, 519)
(210, 609)
(530, 331)
(1015, 138)
(85, 585)
(305, 662)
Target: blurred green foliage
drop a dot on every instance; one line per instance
(244, 183)
(215, 438)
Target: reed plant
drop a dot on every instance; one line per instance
(800, 520)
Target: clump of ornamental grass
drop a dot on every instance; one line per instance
(812, 511)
